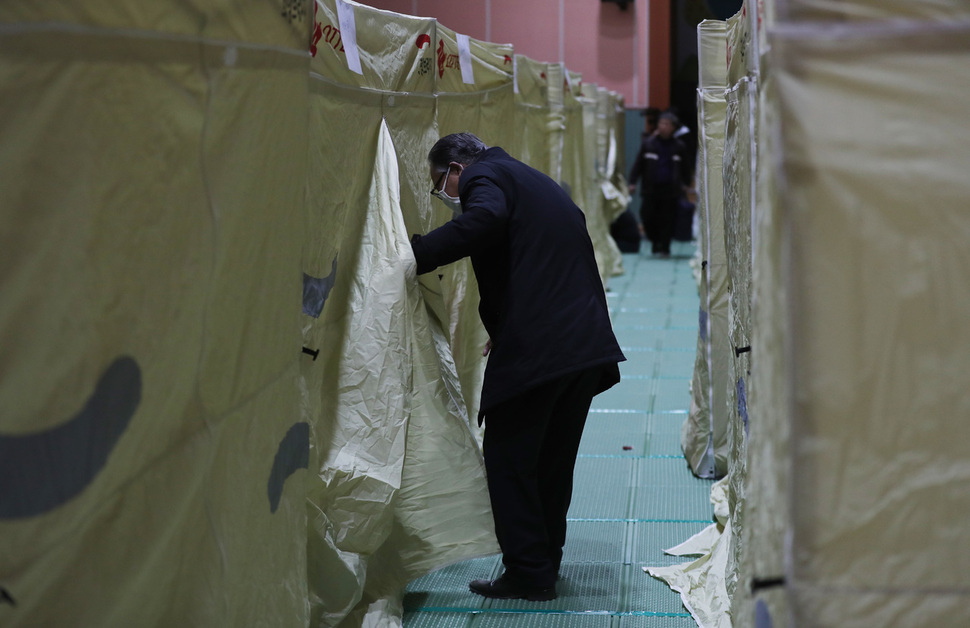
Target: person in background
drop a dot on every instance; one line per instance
(663, 172)
(651, 115)
(551, 346)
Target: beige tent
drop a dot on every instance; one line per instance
(398, 485)
(152, 448)
(480, 100)
(873, 145)
(846, 496)
(611, 188)
(704, 438)
(186, 441)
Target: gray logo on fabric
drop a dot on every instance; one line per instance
(742, 404)
(316, 291)
(43, 470)
(292, 454)
(762, 616)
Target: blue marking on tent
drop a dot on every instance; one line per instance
(316, 290)
(743, 404)
(43, 470)
(292, 454)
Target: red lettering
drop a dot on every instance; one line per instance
(317, 34)
(333, 37)
(441, 58)
(445, 60)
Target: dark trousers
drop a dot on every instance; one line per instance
(658, 212)
(530, 448)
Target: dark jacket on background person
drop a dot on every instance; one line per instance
(661, 164)
(542, 299)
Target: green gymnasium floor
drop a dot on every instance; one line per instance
(628, 504)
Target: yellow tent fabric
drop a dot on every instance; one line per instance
(761, 564)
(701, 583)
(401, 490)
(739, 169)
(481, 101)
(398, 487)
(708, 585)
(578, 173)
(704, 434)
(589, 157)
(878, 274)
(861, 11)
(534, 116)
(151, 446)
(167, 176)
(612, 200)
(555, 77)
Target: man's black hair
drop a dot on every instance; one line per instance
(462, 148)
(672, 116)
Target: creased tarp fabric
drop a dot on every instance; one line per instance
(134, 233)
(766, 512)
(880, 287)
(400, 486)
(738, 189)
(861, 11)
(555, 77)
(156, 237)
(488, 107)
(704, 435)
(229, 21)
(400, 489)
(591, 163)
(579, 166)
(610, 188)
(535, 116)
(701, 582)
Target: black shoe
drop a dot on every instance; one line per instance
(503, 589)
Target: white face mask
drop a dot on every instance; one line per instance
(453, 203)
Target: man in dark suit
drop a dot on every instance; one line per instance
(551, 344)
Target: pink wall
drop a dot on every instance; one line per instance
(608, 46)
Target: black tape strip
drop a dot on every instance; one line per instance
(760, 584)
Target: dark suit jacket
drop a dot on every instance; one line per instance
(658, 154)
(542, 300)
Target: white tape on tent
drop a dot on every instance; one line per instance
(348, 35)
(753, 89)
(465, 59)
(515, 74)
(707, 467)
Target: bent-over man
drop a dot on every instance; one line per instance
(551, 344)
